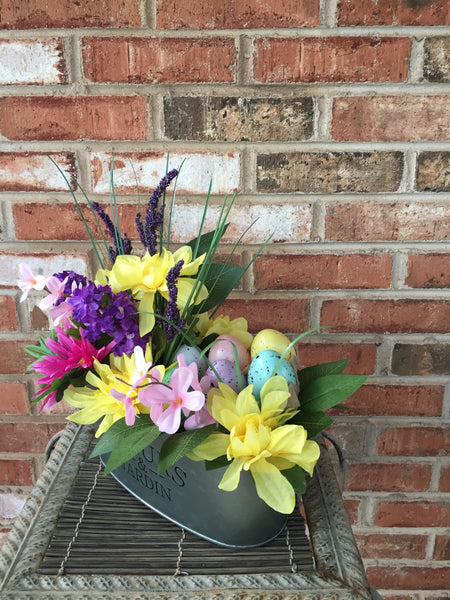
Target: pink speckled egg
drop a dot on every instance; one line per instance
(223, 350)
(227, 373)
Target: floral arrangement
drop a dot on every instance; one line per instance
(142, 351)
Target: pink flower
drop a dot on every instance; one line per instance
(60, 312)
(176, 397)
(29, 281)
(56, 289)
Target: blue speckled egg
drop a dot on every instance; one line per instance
(191, 355)
(261, 369)
(227, 373)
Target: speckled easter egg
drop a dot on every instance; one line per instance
(227, 373)
(223, 349)
(271, 339)
(262, 366)
(191, 355)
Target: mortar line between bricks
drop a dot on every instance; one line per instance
(416, 60)
(321, 31)
(399, 270)
(329, 14)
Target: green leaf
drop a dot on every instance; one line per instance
(217, 463)
(220, 280)
(329, 391)
(309, 374)
(178, 445)
(109, 440)
(204, 243)
(296, 477)
(314, 422)
(139, 436)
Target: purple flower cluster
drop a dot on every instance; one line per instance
(101, 312)
(148, 232)
(72, 277)
(172, 312)
(113, 234)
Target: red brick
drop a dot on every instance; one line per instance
(409, 578)
(322, 271)
(442, 548)
(391, 118)
(413, 441)
(428, 271)
(15, 472)
(13, 399)
(331, 59)
(444, 485)
(8, 318)
(94, 117)
(412, 514)
(32, 62)
(380, 545)
(159, 60)
(388, 477)
(387, 316)
(235, 14)
(394, 400)
(421, 359)
(13, 358)
(352, 508)
(288, 316)
(388, 222)
(386, 12)
(37, 14)
(34, 172)
(362, 357)
(26, 437)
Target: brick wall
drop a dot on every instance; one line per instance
(331, 119)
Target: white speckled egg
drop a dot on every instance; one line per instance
(261, 369)
(191, 355)
(271, 339)
(223, 349)
(227, 373)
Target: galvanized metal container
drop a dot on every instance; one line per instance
(188, 495)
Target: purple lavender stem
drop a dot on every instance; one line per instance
(154, 217)
(172, 312)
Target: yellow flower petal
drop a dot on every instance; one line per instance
(230, 479)
(273, 487)
(214, 446)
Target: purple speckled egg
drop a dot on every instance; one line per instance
(227, 373)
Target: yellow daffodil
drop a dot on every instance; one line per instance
(223, 324)
(113, 391)
(259, 441)
(145, 276)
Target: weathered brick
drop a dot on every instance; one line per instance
(388, 222)
(233, 14)
(412, 514)
(286, 315)
(352, 508)
(13, 359)
(386, 12)
(331, 59)
(391, 118)
(409, 578)
(387, 316)
(428, 271)
(322, 271)
(381, 545)
(37, 14)
(433, 172)
(421, 359)
(394, 400)
(198, 170)
(293, 222)
(15, 472)
(442, 547)
(238, 119)
(32, 62)
(362, 357)
(55, 118)
(13, 399)
(413, 441)
(34, 172)
(8, 317)
(351, 438)
(329, 172)
(159, 60)
(379, 477)
(444, 483)
(437, 60)
(27, 437)
(41, 264)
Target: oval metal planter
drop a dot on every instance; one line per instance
(188, 495)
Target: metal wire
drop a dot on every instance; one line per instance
(178, 570)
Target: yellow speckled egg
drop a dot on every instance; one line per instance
(271, 339)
